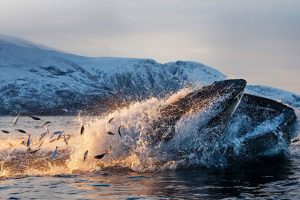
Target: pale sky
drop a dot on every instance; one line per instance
(256, 40)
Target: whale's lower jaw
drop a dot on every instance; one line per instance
(256, 148)
(257, 140)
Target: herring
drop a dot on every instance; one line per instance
(110, 133)
(110, 120)
(55, 153)
(47, 122)
(119, 131)
(43, 135)
(20, 130)
(5, 131)
(85, 155)
(28, 144)
(82, 129)
(34, 118)
(16, 119)
(100, 156)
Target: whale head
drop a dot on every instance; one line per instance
(214, 103)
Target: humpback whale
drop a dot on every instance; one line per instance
(235, 126)
(221, 97)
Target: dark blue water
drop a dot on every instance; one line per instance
(273, 179)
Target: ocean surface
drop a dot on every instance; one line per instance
(272, 179)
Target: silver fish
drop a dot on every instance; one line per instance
(100, 156)
(34, 118)
(85, 155)
(81, 129)
(53, 140)
(16, 119)
(110, 133)
(33, 151)
(57, 132)
(28, 144)
(59, 136)
(119, 131)
(110, 120)
(47, 122)
(5, 131)
(20, 130)
(55, 153)
(43, 135)
(66, 139)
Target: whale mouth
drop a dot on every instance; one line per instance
(214, 104)
(224, 116)
(211, 111)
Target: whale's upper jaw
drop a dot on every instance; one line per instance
(230, 87)
(224, 94)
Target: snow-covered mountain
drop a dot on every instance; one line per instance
(40, 80)
(280, 95)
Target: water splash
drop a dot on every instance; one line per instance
(122, 151)
(133, 149)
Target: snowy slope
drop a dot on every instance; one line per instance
(275, 94)
(38, 79)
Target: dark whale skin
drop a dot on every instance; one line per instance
(226, 94)
(270, 143)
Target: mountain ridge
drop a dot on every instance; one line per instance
(41, 80)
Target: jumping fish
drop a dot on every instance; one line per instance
(34, 151)
(42, 136)
(85, 155)
(16, 119)
(119, 131)
(28, 144)
(53, 140)
(100, 156)
(66, 139)
(47, 122)
(56, 133)
(55, 153)
(34, 118)
(59, 136)
(81, 129)
(110, 133)
(5, 131)
(110, 120)
(20, 130)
